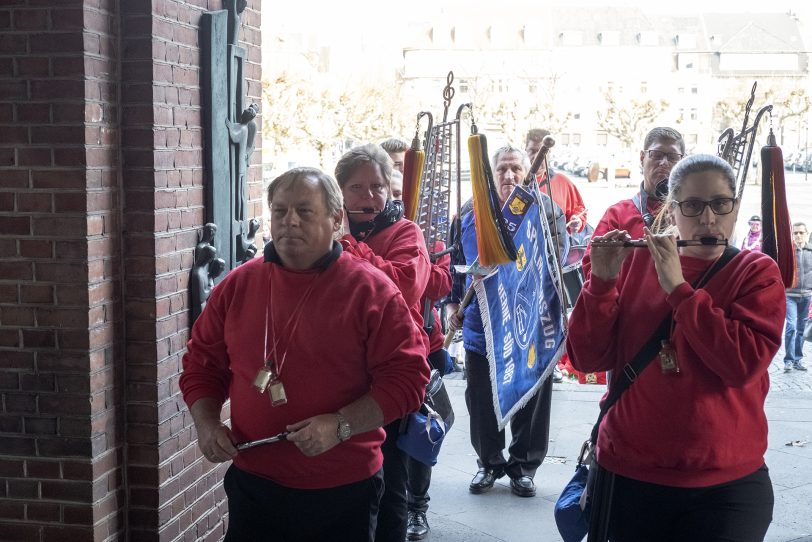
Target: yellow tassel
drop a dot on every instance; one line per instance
(494, 244)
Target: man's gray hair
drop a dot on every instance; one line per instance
(333, 197)
(394, 144)
(664, 133)
(358, 157)
(510, 149)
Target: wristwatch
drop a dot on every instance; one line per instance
(343, 431)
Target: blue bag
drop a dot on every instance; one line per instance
(572, 507)
(422, 435)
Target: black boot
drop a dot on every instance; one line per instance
(418, 527)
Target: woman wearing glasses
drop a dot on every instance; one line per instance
(686, 441)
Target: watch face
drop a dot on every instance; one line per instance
(344, 430)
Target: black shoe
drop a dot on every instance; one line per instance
(523, 486)
(483, 480)
(418, 527)
(798, 366)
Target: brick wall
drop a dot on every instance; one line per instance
(101, 197)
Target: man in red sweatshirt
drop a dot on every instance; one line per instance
(316, 346)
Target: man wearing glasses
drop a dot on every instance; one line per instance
(663, 147)
(798, 299)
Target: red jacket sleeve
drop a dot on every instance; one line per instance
(737, 343)
(440, 276)
(206, 365)
(397, 361)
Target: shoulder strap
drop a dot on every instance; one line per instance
(646, 355)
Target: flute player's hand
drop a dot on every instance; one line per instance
(665, 254)
(607, 259)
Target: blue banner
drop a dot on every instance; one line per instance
(522, 312)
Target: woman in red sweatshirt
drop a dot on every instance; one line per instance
(686, 444)
(376, 231)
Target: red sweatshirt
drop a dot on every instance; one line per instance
(623, 215)
(354, 337)
(706, 425)
(400, 252)
(565, 195)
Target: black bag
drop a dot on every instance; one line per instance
(422, 432)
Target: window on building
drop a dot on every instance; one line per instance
(648, 38)
(575, 139)
(694, 114)
(643, 88)
(463, 85)
(692, 139)
(572, 38)
(565, 139)
(609, 38)
(602, 138)
(686, 41)
(694, 90)
(532, 87)
(576, 116)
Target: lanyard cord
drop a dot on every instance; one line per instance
(271, 358)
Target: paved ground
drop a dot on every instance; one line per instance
(457, 515)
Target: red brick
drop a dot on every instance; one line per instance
(34, 202)
(36, 248)
(57, 42)
(59, 178)
(70, 157)
(67, 19)
(16, 270)
(36, 293)
(30, 19)
(12, 134)
(6, 200)
(34, 339)
(67, 112)
(69, 66)
(62, 90)
(15, 225)
(13, 43)
(43, 512)
(9, 338)
(33, 156)
(33, 113)
(58, 135)
(32, 66)
(59, 227)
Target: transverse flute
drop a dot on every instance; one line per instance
(637, 243)
(364, 211)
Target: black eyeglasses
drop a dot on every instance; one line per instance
(695, 207)
(656, 155)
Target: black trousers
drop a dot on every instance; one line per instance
(392, 515)
(737, 511)
(530, 426)
(260, 510)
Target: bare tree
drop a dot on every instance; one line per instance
(627, 119)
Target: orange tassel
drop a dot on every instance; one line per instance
(412, 178)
